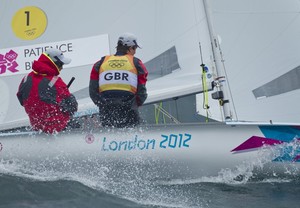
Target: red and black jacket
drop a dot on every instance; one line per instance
(46, 98)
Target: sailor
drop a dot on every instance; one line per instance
(118, 85)
(44, 95)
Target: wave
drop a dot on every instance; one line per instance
(63, 184)
(25, 192)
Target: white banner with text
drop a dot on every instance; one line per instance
(82, 51)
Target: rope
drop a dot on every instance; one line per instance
(205, 91)
(159, 108)
(204, 85)
(157, 113)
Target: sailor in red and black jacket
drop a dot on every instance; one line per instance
(118, 85)
(45, 96)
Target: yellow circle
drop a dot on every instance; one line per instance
(29, 23)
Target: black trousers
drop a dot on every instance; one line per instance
(118, 115)
(118, 109)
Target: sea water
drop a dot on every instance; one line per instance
(26, 184)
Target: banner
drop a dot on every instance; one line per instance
(83, 51)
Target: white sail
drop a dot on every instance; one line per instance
(168, 31)
(261, 47)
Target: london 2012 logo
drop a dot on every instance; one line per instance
(137, 142)
(8, 62)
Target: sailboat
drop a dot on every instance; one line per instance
(239, 58)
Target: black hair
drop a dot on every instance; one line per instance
(122, 48)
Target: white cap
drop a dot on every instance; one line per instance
(57, 55)
(128, 39)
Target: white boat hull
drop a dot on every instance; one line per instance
(173, 151)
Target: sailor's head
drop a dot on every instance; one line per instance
(127, 43)
(128, 39)
(57, 57)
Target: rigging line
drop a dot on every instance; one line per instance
(163, 115)
(157, 114)
(205, 94)
(196, 23)
(227, 78)
(204, 85)
(161, 109)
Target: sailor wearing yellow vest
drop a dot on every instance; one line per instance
(118, 85)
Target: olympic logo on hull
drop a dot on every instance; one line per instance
(89, 138)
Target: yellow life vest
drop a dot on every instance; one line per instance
(118, 73)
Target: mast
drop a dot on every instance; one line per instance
(222, 94)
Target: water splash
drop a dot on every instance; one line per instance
(270, 164)
(131, 181)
